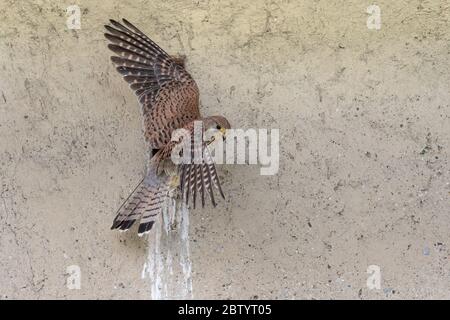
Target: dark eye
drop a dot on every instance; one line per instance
(218, 127)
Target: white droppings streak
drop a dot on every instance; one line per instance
(168, 265)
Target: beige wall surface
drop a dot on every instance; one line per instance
(364, 128)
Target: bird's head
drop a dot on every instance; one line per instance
(217, 123)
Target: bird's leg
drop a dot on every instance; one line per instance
(174, 181)
(179, 59)
(174, 184)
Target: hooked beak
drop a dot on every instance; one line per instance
(223, 131)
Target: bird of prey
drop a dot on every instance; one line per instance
(169, 99)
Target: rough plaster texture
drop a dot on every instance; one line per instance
(364, 148)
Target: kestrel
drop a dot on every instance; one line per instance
(169, 99)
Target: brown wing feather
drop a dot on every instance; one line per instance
(200, 178)
(168, 94)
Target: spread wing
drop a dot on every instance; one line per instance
(167, 93)
(199, 178)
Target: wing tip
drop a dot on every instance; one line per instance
(122, 225)
(115, 224)
(112, 21)
(145, 228)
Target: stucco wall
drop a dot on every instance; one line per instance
(364, 148)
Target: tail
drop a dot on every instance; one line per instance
(144, 203)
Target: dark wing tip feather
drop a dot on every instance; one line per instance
(115, 224)
(129, 24)
(127, 224)
(110, 37)
(113, 47)
(115, 59)
(123, 225)
(110, 29)
(114, 22)
(145, 227)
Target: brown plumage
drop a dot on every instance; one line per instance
(169, 98)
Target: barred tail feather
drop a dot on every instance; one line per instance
(144, 204)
